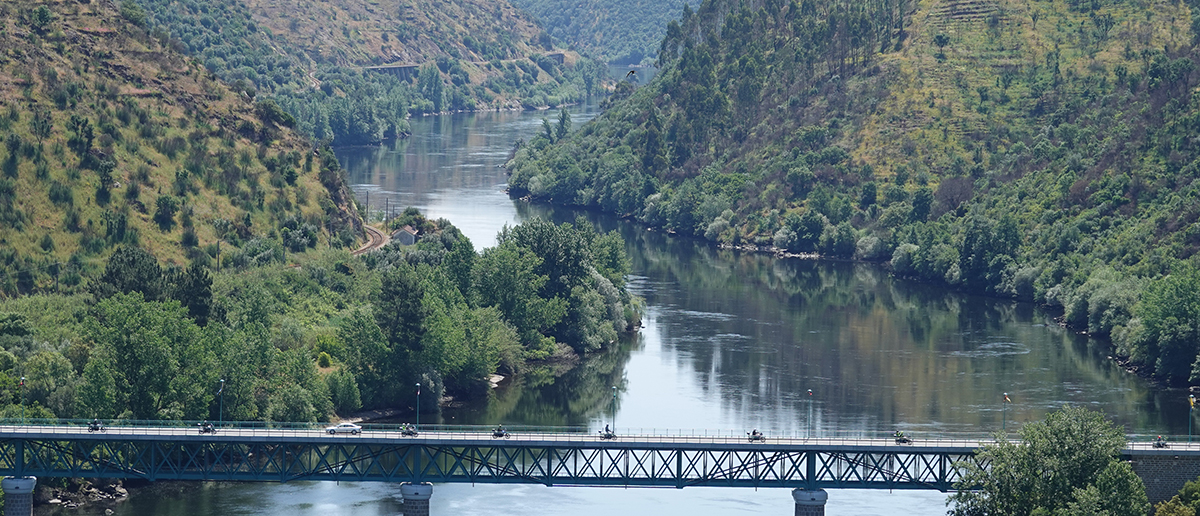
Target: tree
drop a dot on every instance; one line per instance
(1185, 503)
(400, 314)
(164, 214)
(565, 256)
(98, 392)
(51, 382)
(83, 134)
(130, 269)
(193, 290)
(564, 125)
(41, 18)
(153, 356)
(343, 391)
(506, 277)
(41, 124)
(1067, 464)
(379, 369)
(1168, 310)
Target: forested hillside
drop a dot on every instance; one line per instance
(616, 31)
(111, 138)
(311, 57)
(1041, 150)
(323, 334)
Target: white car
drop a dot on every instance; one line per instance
(344, 428)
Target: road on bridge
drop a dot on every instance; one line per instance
(556, 438)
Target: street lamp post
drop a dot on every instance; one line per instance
(1004, 414)
(221, 410)
(808, 435)
(614, 409)
(1191, 408)
(418, 407)
(22, 399)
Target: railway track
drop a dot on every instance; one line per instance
(375, 240)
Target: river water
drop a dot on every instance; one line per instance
(731, 341)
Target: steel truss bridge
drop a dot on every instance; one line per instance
(553, 459)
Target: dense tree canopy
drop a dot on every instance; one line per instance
(1068, 464)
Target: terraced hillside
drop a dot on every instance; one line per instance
(111, 137)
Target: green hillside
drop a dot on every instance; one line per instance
(311, 58)
(1042, 150)
(112, 138)
(322, 334)
(617, 31)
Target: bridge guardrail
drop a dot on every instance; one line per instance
(534, 433)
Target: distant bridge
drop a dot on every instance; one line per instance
(552, 458)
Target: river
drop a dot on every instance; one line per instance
(731, 341)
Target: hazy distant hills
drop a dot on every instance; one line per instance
(111, 138)
(1043, 150)
(617, 31)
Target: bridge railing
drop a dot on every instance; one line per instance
(557, 433)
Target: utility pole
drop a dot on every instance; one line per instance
(221, 411)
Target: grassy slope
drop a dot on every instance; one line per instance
(370, 32)
(153, 111)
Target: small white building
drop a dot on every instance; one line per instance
(405, 235)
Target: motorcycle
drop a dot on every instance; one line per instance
(607, 435)
(756, 437)
(902, 439)
(499, 433)
(207, 429)
(408, 431)
(96, 427)
(1160, 443)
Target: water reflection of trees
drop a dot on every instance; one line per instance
(759, 331)
(555, 394)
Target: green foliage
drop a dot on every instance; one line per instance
(130, 269)
(158, 340)
(41, 18)
(1164, 332)
(158, 356)
(1067, 181)
(343, 391)
(165, 209)
(506, 278)
(1068, 464)
(622, 32)
(1186, 503)
(133, 12)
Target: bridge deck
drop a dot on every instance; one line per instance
(281, 455)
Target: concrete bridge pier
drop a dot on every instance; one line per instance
(808, 502)
(416, 498)
(18, 495)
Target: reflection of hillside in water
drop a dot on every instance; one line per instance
(549, 394)
(757, 332)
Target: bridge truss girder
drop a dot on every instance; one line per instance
(526, 462)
